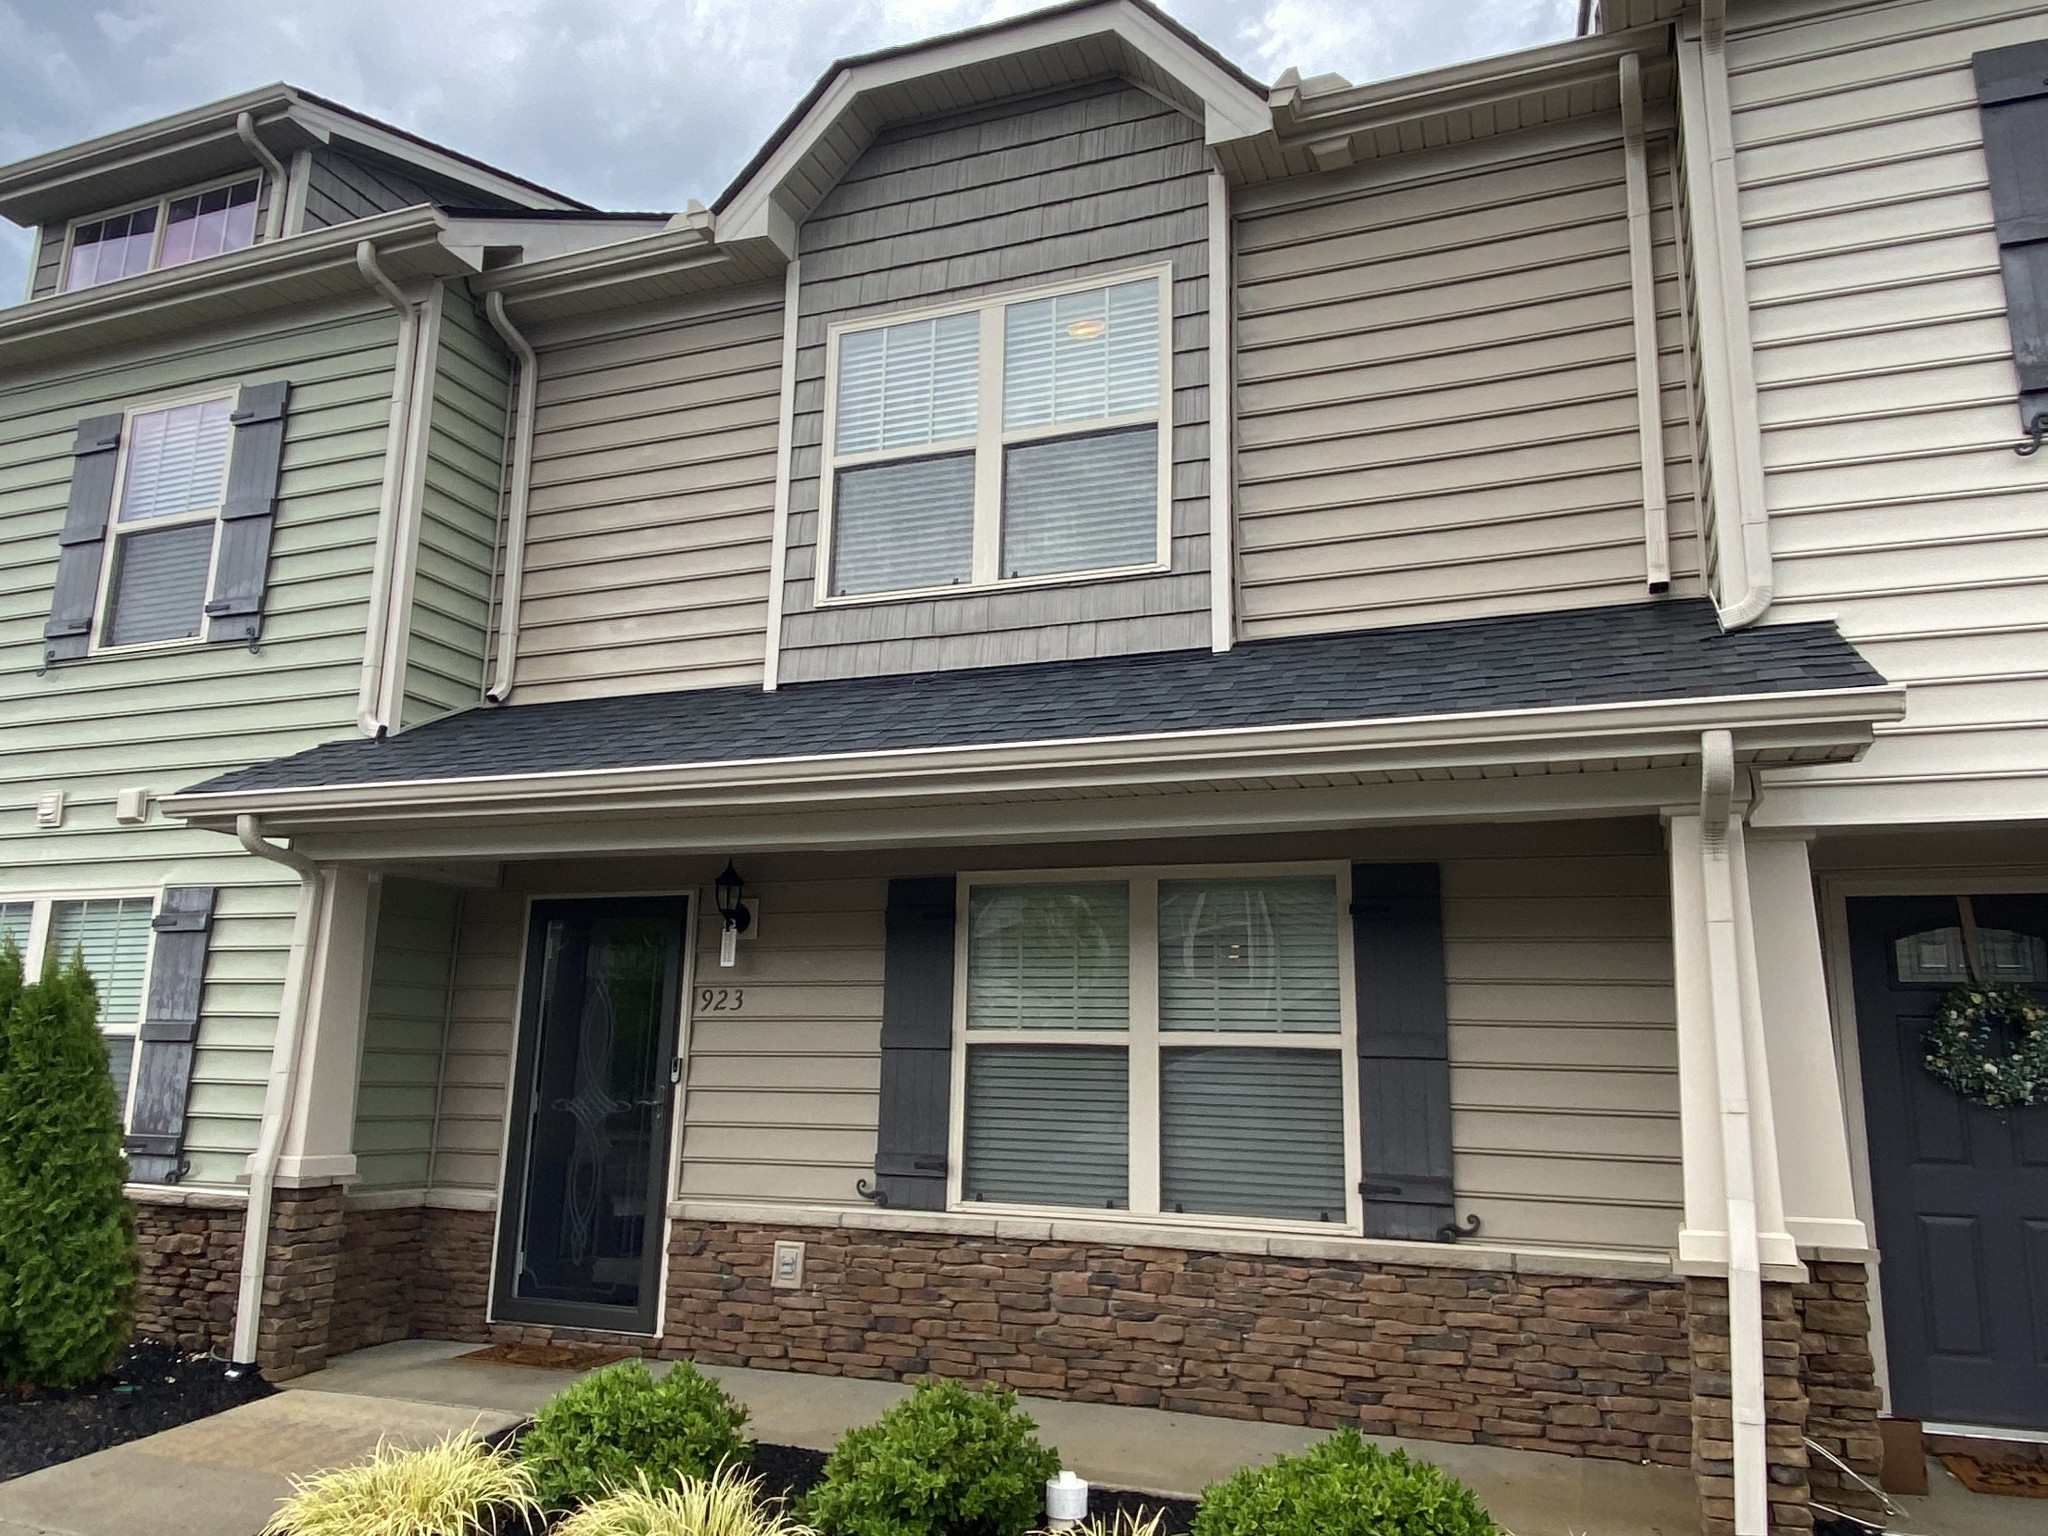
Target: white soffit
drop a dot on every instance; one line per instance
(1036, 53)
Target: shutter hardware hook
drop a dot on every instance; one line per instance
(2036, 430)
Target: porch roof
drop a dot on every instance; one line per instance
(1625, 654)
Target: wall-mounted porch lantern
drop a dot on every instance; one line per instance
(728, 890)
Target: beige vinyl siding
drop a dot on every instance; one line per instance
(1563, 1045)
(653, 502)
(1886, 389)
(458, 516)
(1436, 391)
(246, 956)
(1094, 180)
(404, 1033)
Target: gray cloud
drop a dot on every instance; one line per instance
(637, 104)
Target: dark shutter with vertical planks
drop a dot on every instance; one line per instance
(1404, 1074)
(234, 613)
(170, 1029)
(917, 1046)
(2012, 103)
(95, 455)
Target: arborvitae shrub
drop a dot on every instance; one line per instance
(67, 1233)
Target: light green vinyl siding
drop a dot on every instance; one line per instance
(167, 717)
(459, 513)
(404, 1034)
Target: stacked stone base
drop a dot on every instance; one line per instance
(191, 1269)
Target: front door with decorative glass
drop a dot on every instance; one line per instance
(579, 1238)
(1960, 1186)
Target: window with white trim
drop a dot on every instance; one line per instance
(111, 934)
(1023, 439)
(160, 540)
(165, 233)
(1171, 1043)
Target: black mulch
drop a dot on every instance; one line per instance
(152, 1387)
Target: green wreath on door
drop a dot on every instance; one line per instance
(1990, 1044)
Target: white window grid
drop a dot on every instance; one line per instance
(1143, 1040)
(110, 553)
(42, 905)
(162, 205)
(990, 439)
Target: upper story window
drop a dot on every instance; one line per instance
(165, 233)
(159, 558)
(1017, 440)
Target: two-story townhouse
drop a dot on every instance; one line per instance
(251, 429)
(1183, 742)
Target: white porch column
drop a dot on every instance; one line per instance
(1812, 1128)
(319, 1129)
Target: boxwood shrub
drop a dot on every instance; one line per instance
(620, 1424)
(1342, 1487)
(943, 1462)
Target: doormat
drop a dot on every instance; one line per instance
(2014, 1479)
(550, 1357)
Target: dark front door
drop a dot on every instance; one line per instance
(1961, 1191)
(579, 1239)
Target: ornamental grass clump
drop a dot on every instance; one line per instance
(727, 1503)
(1342, 1487)
(460, 1487)
(67, 1233)
(943, 1462)
(618, 1425)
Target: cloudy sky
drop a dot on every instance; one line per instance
(637, 104)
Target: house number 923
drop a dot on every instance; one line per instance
(721, 999)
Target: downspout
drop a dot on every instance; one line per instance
(1738, 1152)
(369, 714)
(283, 1085)
(515, 511)
(1752, 522)
(273, 220)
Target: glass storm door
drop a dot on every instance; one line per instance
(580, 1228)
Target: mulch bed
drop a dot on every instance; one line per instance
(152, 1387)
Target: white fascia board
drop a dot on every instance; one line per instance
(1230, 110)
(661, 251)
(202, 293)
(1835, 720)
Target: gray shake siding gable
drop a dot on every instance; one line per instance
(1098, 179)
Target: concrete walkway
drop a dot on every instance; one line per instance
(224, 1475)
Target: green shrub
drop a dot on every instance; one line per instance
(460, 1487)
(1342, 1487)
(67, 1234)
(943, 1462)
(620, 1424)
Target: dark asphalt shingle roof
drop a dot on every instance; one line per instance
(1587, 656)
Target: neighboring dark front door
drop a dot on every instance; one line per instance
(579, 1239)
(1961, 1191)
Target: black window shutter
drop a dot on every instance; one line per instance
(94, 456)
(234, 615)
(1404, 1072)
(2012, 101)
(170, 1029)
(917, 1046)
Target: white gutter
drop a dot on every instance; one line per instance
(515, 511)
(1738, 1151)
(1735, 435)
(370, 716)
(283, 1084)
(245, 130)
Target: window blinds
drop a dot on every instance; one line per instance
(1048, 1125)
(906, 385)
(1080, 357)
(158, 589)
(1081, 503)
(1250, 954)
(905, 524)
(1049, 957)
(16, 917)
(177, 460)
(1252, 1132)
(113, 938)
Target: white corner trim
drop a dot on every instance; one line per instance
(785, 457)
(1643, 295)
